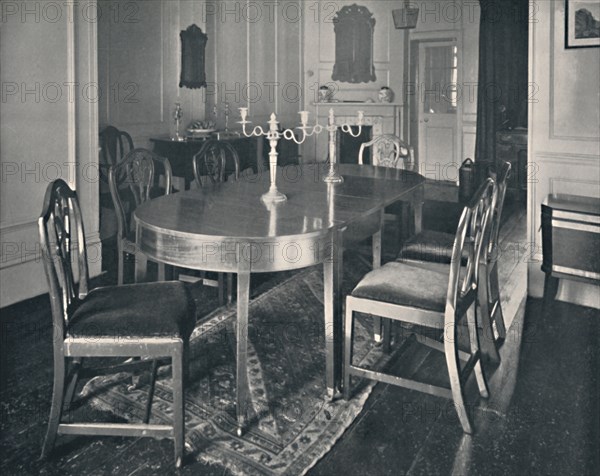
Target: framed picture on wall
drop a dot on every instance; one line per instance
(582, 23)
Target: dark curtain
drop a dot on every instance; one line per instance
(502, 83)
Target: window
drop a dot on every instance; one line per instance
(441, 78)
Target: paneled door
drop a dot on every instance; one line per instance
(437, 109)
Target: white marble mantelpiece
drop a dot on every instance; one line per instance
(384, 117)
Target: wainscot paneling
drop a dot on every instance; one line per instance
(564, 131)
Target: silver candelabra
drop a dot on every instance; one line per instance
(226, 110)
(177, 115)
(332, 175)
(273, 134)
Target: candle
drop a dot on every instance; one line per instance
(303, 117)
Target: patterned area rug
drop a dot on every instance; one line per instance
(292, 423)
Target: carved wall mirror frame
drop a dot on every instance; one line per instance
(353, 26)
(193, 58)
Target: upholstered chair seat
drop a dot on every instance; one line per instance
(433, 246)
(132, 310)
(414, 284)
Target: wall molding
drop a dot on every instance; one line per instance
(553, 134)
(558, 157)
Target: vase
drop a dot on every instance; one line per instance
(386, 94)
(324, 94)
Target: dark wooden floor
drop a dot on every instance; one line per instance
(542, 418)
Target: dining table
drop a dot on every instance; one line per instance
(225, 227)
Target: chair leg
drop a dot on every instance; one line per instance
(221, 291)
(72, 384)
(151, 391)
(120, 260)
(377, 329)
(452, 362)
(494, 299)
(387, 335)
(489, 348)
(57, 399)
(475, 348)
(186, 362)
(178, 407)
(161, 272)
(348, 336)
(229, 288)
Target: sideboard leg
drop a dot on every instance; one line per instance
(550, 290)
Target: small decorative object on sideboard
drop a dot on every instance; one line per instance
(386, 94)
(177, 115)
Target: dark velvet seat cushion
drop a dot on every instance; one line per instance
(414, 284)
(433, 246)
(161, 309)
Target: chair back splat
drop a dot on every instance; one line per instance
(388, 150)
(115, 144)
(211, 164)
(138, 176)
(63, 243)
(473, 228)
(501, 180)
(214, 160)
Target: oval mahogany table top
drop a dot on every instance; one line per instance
(233, 210)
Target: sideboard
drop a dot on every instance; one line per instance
(180, 153)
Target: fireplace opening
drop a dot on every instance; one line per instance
(349, 146)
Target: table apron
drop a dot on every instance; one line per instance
(231, 255)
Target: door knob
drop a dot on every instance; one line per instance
(426, 120)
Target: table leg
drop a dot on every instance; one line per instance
(243, 296)
(141, 262)
(376, 246)
(332, 274)
(417, 204)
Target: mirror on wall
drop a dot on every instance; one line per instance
(354, 25)
(193, 59)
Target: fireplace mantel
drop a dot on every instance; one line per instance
(385, 117)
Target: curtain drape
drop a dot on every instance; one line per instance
(502, 84)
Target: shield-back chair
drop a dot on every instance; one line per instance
(150, 320)
(434, 296)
